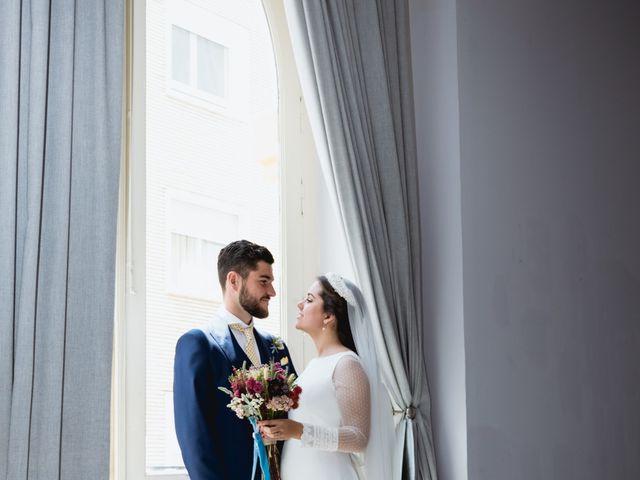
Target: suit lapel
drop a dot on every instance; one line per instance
(219, 330)
(240, 353)
(264, 346)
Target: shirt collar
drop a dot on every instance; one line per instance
(230, 318)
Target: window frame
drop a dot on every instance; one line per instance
(299, 176)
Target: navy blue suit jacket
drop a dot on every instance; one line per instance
(215, 443)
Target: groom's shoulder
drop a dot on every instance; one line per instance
(194, 333)
(270, 337)
(194, 336)
(277, 345)
(266, 335)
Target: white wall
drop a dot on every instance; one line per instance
(549, 151)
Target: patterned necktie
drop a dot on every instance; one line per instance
(250, 347)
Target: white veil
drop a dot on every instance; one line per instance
(378, 457)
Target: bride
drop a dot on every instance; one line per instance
(343, 428)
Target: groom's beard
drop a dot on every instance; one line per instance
(252, 304)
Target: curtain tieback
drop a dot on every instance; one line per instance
(410, 412)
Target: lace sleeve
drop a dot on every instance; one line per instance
(353, 395)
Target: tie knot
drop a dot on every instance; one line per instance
(248, 329)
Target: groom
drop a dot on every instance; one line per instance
(215, 444)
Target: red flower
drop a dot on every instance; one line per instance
(254, 387)
(238, 388)
(295, 393)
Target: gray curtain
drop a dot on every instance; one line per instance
(353, 58)
(60, 100)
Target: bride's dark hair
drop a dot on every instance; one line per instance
(334, 304)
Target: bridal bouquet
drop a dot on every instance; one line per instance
(263, 392)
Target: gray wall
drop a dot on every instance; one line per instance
(433, 29)
(549, 161)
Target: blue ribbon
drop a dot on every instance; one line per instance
(259, 452)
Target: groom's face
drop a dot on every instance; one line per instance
(256, 290)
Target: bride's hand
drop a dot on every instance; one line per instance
(280, 429)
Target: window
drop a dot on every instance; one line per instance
(197, 176)
(211, 66)
(192, 269)
(198, 228)
(181, 55)
(199, 65)
(208, 51)
(210, 178)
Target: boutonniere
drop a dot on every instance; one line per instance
(276, 345)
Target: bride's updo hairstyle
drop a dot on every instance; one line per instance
(334, 304)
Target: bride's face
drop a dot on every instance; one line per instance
(311, 314)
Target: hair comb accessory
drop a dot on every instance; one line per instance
(339, 285)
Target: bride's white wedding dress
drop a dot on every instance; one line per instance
(335, 410)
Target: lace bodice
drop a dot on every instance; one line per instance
(352, 396)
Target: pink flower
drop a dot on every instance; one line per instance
(280, 404)
(254, 387)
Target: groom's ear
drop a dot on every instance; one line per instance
(233, 280)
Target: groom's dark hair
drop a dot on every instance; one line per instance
(241, 256)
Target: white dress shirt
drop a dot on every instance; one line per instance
(230, 318)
